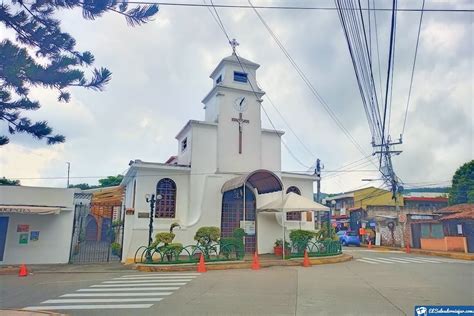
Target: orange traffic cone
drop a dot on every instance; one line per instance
(23, 271)
(306, 262)
(201, 266)
(255, 264)
(408, 248)
(370, 244)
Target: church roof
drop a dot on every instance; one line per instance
(189, 123)
(233, 59)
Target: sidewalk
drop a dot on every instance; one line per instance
(115, 267)
(447, 254)
(265, 262)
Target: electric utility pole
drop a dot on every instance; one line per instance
(68, 170)
(317, 172)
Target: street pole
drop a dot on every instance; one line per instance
(151, 199)
(68, 170)
(317, 172)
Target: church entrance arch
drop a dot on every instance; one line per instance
(239, 198)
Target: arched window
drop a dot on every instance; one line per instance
(294, 190)
(293, 216)
(166, 207)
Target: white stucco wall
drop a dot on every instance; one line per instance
(271, 151)
(147, 176)
(229, 159)
(184, 156)
(54, 243)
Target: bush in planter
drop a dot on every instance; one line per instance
(206, 236)
(300, 239)
(234, 243)
(324, 234)
(171, 250)
(165, 239)
(116, 248)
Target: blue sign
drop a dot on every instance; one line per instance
(443, 310)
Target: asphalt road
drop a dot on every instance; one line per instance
(374, 283)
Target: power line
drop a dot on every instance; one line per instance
(389, 68)
(178, 173)
(413, 68)
(322, 8)
(378, 54)
(307, 81)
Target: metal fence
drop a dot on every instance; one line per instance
(97, 234)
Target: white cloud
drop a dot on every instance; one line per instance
(160, 74)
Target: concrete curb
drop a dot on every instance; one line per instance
(9, 270)
(240, 264)
(19, 312)
(13, 270)
(452, 255)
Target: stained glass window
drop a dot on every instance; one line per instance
(166, 206)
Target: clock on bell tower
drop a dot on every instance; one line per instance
(234, 105)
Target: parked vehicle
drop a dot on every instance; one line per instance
(349, 238)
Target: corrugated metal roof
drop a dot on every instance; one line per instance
(460, 215)
(456, 208)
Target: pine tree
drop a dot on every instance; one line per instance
(43, 55)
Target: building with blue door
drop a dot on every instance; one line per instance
(35, 224)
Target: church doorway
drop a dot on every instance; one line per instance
(244, 188)
(233, 214)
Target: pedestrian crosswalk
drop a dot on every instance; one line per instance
(404, 260)
(133, 291)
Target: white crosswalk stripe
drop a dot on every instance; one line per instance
(155, 277)
(393, 260)
(137, 291)
(136, 284)
(379, 260)
(147, 281)
(94, 306)
(159, 274)
(130, 289)
(403, 260)
(367, 261)
(117, 294)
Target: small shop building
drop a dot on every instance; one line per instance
(450, 229)
(35, 224)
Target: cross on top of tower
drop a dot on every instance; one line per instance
(234, 44)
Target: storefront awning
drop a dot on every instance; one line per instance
(27, 209)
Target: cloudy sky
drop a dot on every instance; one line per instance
(161, 73)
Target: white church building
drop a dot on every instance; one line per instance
(223, 162)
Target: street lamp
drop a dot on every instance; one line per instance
(151, 199)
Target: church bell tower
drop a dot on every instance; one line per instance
(234, 105)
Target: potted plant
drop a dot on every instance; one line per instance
(278, 248)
